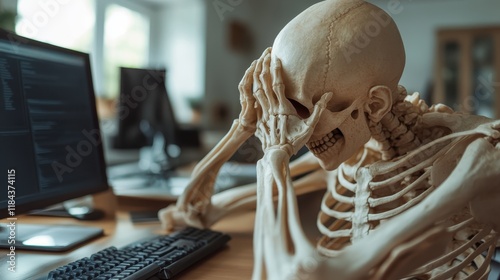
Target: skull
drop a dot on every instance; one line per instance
(352, 49)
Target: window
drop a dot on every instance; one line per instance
(114, 35)
(126, 43)
(47, 21)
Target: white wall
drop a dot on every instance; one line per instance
(98, 50)
(418, 22)
(181, 49)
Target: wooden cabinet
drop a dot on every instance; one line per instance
(467, 73)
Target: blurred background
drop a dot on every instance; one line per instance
(453, 46)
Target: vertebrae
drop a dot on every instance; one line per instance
(395, 132)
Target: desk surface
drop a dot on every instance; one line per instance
(233, 262)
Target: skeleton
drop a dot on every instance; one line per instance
(410, 190)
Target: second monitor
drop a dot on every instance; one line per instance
(145, 113)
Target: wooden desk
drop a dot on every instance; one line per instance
(233, 262)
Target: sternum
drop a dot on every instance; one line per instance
(360, 225)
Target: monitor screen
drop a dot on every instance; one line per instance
(144, 109)
(50, 145)
(146, 114)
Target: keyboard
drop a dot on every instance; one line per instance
(159, 257)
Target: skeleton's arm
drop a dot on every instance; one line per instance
(194, 206)
(282, 132)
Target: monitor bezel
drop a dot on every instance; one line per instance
(59, 197)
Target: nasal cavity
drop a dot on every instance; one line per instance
(302, 111)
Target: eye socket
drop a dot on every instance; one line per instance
(302, 110)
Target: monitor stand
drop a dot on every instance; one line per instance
(84, 213)
(54, 238)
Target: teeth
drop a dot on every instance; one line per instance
(323, 144)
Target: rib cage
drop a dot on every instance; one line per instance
(350, 210)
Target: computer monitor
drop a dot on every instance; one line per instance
(50, 143)
(145, 112)
(143, 108)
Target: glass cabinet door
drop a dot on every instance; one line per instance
(483, 74)
(467, 76)
(451, 73)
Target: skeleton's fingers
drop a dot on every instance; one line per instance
(256, 81)
(245, 86)
(263, 104)
(171, 217)
(278, 85)
(247, 116)
(265, 79)
(266, 52)
(279, 89)
(258, 91)
(490, 130)
(496, 124)
(318, 109)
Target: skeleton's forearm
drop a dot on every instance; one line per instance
(283, 223)
(200, 189)
(223, 151)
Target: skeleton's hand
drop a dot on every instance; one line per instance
(480, 164)
(248, 114)
(177, 216)
(491, 129)
(480, 171)
(279, 125)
